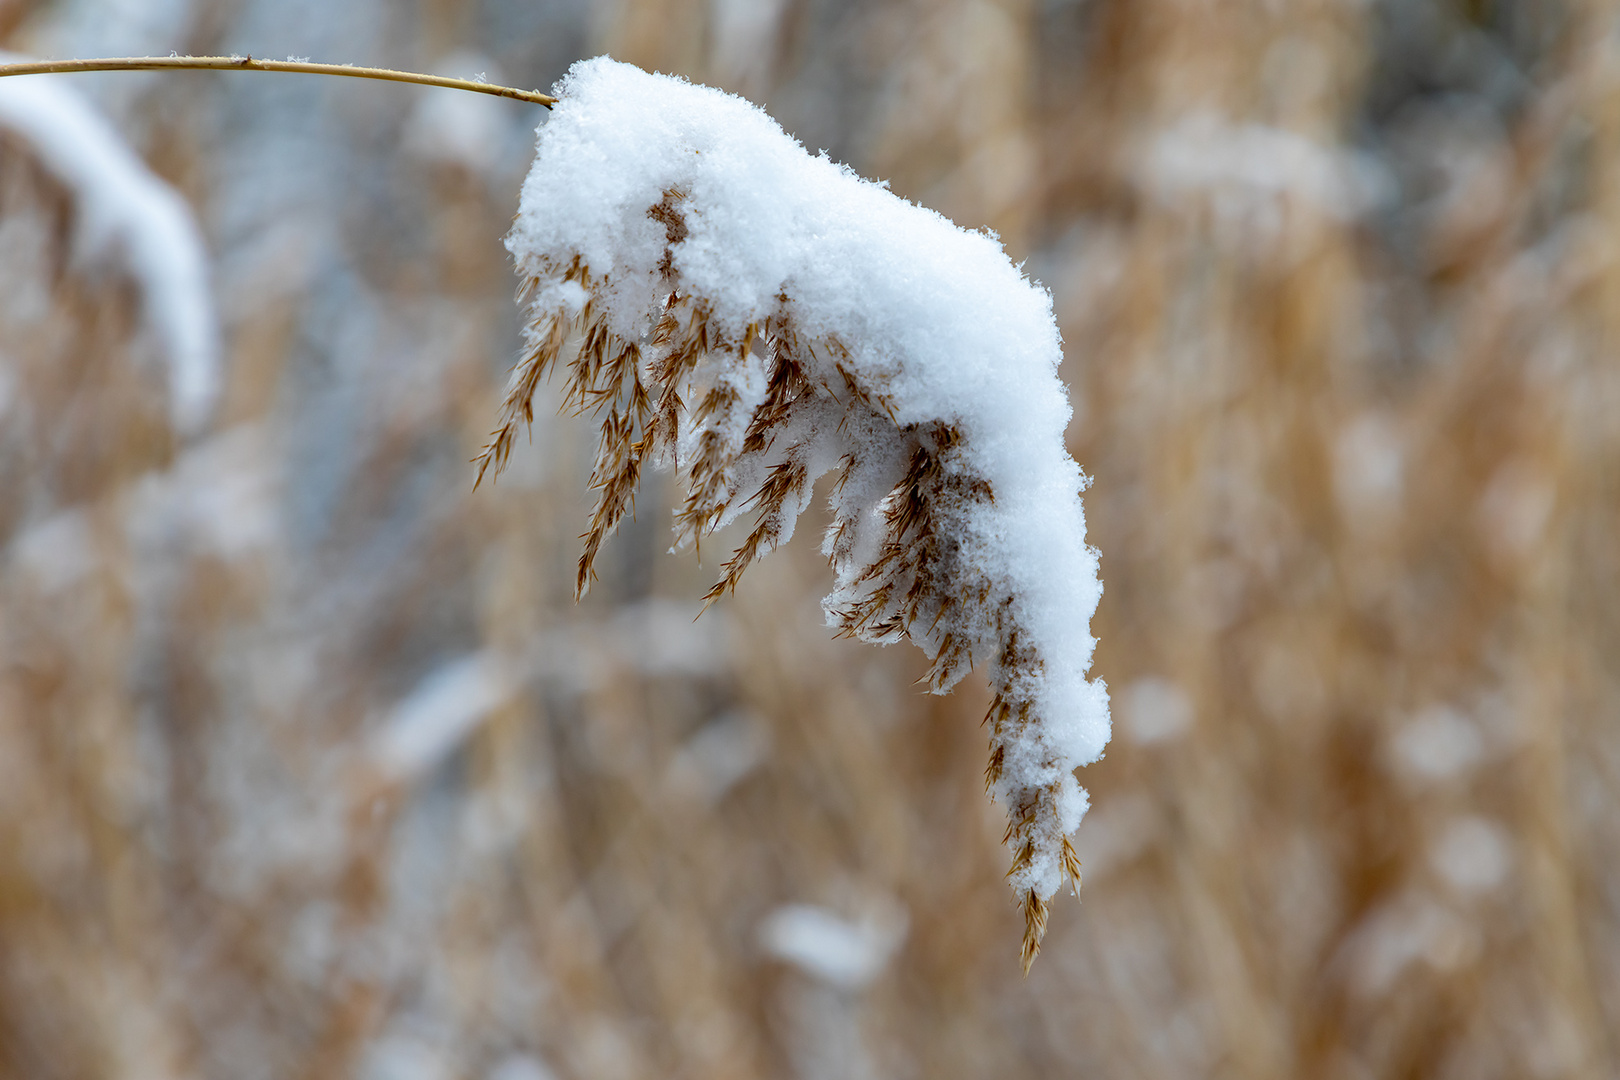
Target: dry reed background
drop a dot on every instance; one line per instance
(1340, 285)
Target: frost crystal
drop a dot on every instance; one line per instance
(757, 317)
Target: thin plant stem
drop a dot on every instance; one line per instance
(248, 63)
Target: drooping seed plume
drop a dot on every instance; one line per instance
(755, 317)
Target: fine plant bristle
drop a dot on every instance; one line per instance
(1035, 912)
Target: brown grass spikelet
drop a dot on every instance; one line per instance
(1036, 911)
(992, 769)
(1071, 863)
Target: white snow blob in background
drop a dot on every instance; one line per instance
(129, 215)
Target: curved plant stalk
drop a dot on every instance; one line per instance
(248, 63)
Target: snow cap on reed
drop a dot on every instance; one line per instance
(755, 317)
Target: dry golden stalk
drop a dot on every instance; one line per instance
(248, 63)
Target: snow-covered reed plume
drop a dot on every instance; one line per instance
(757, 317)
(127, 214)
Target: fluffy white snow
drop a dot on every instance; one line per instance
(129, 215)
(653, 202)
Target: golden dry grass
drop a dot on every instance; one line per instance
(1356, 497)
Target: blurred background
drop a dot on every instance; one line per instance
(310, 767)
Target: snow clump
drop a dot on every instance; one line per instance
(755, 317)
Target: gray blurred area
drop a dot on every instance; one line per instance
(310, 767)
